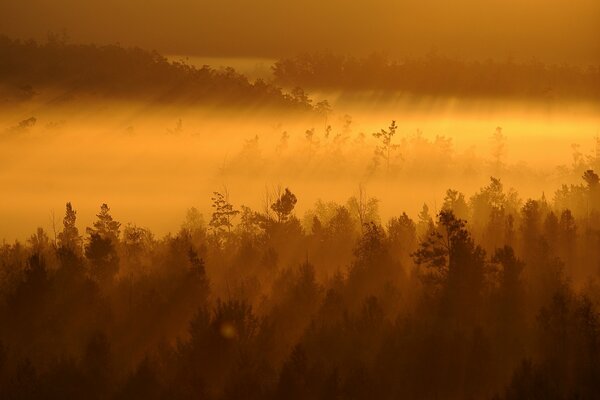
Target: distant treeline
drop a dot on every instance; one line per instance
(28, 68)
(440, 76)
(492, 298)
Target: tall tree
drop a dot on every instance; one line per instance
(425, 222)
(106, 226)
(454, 264)
(223, 213)
(365, 208)
(455, 201)
(593, 187)
(284, 205)
(385, 149)
(101, 247)
(69, 238)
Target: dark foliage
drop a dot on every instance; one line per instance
(259, 307)
(440, 76)
(72, 71)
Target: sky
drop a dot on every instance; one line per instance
(558, 31)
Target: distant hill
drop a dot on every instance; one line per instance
(28, 69)
(440, 76)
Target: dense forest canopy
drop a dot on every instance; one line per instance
(69, 71)
(437, 75)
(493, 297)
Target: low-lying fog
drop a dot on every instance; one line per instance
(152, 163)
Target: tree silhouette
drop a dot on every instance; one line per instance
(591, 179)
(320, 310)
(425, 222)
(101, 246)
(510, 275)
(69, 237)
(385, 149)
(284, 205)
(454, 264)
(364, 207)
(455, 202)
(593, 186)
(105, 226)
(223, 213)
(39, 241)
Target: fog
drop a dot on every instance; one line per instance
(299, 200)
(151, 163)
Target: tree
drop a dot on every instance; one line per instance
(196, 262)
(591, 178)
(453, 263)
(101, 247)
(371, 244)
(69, 237)
(137, 241)
(510, 295)
(39, 241)
(323, 108)
(284, 205)
(425, 222)
(455, 202)
(299, 96)
(385, 149)
(491, 211)
(531, 220)
(510, 273)
(364, 207)
(593, 187)
(567, 235)
(223, 213)
(402, 235)
(437, 249)
(105, 226)
(311, 141)
(194, 221)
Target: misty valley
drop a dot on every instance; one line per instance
(318, 226)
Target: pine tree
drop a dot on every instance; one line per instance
(105, 226)
(386, 149)
(284, 205)
(101, 248)
(69, 237)
(223, 213)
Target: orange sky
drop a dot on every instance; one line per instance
(550, 30)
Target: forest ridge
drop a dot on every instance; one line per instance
(437, 75)
(112, 72)
(28, 69)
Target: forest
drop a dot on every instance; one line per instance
(439, 75)
(369, 200)
(70, 72)
(490, 297)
